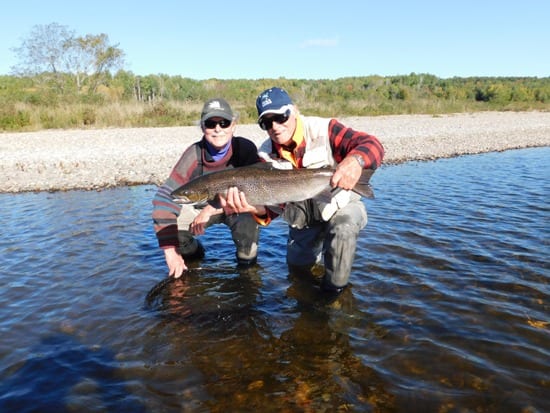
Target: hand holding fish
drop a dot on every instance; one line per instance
(234, 202)
(347, 173)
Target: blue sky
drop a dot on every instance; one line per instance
(303, 39)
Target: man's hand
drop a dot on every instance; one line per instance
(347, 173)
(235, 202)
(175, 262)
(198, 226)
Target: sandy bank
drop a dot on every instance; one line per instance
(92, 159)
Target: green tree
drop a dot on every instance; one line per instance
(90, 58)
(43, 51)
(53, 49)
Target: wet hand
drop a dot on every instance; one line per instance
(174, 261)
(347, 173)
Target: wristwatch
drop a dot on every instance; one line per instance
(359, 159)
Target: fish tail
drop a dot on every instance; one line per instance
(363, 187)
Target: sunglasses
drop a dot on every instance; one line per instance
(211, 124)
(267, 123)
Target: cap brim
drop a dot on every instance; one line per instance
(217, 114)
(279, 111)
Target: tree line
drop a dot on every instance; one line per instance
(67, 81)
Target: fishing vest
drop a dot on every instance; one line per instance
(317, 149)
(317, 154)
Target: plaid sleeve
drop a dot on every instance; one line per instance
(344, 140)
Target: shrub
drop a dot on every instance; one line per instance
(14, 119)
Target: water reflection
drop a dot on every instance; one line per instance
(222, 323)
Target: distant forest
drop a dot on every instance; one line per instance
(45, 101)
(64, 80)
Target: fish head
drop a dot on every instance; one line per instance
(190, 196)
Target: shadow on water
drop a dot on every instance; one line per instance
(245, 365)
(66, 376)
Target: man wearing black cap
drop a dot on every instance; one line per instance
(317, 227)
(175, 225)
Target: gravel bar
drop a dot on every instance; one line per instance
(92, 159)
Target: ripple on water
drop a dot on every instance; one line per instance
(447, 308)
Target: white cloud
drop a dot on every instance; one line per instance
(332, 42)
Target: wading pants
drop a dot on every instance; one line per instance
(244, 231)
(336, 238)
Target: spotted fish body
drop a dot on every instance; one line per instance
(265, 185)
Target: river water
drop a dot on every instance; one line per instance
(448, 308)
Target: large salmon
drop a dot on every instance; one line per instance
(264, 185)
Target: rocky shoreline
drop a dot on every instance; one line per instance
(58, 160)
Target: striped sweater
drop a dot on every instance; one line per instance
(194, 162)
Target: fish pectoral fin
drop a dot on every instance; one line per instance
(326, 194)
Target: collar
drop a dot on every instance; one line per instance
(215, 153)
(293, 151)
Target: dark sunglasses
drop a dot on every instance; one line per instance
(211, 124)
(267, 123)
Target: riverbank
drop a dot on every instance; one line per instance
(93, 159)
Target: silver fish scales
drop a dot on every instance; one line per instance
(264, 185)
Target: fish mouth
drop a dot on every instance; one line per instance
(182, 200)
